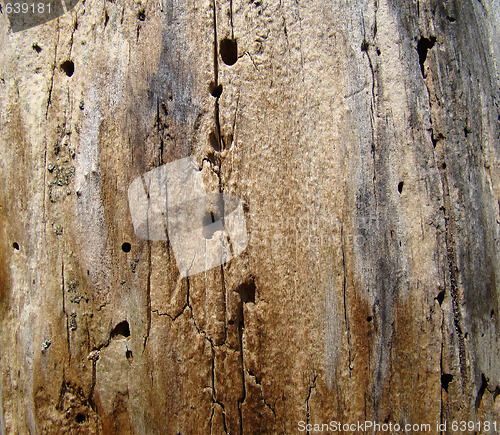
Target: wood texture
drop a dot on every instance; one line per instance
(363, 138)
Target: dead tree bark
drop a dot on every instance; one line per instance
(362, 137)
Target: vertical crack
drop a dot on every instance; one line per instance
(62, 392)
(450, 230)
(63, 288)
(346, 316)
(231, 18)
(224, 308)
(49, 99)
(365, 48)
(241, 330)
(216, 54)
(220, 142)
(75, 26)
(453, 270)
(159, 130)
(45, 187)
(92, 387)
(441, 402)
(308, 409)
(235, 116)
(148, 298)
(212, 347)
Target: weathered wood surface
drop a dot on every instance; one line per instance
(363, 138)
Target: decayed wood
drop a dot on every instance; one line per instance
(363, 140)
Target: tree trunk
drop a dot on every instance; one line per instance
(362, 139)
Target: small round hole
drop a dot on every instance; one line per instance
(400, 186)
(215, 91)
(229, 51)
(208, 219)
(68, 67)
(141, 15)
(80, 418)
(126, 247)
(369, 318)
(121, 330)
(15, 245)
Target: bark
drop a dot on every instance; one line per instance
(362, 137)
